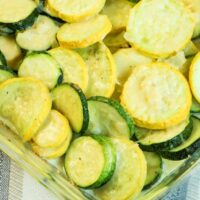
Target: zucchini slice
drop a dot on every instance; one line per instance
(152, 98)
(17, 96)
(18, 14)
(11, 51)
(108, 117)
(129, 176)
(5, 73)
(194, 74)
(82, 166)
(101, 70)
(53, 132)
(190, 49)
(69, 99)
(154, 168)
(40, 36)
(164, 140)
(42, 66)
(2, 59)
(195, 108)
(188, 147)
(166, 21)
(76, 10)
(54, 152)
(118, 13)
(5, 31)
(92, 31)
(73, 66)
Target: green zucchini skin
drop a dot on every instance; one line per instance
(109, 154)
(111, 159)
(83, 101)
(84, 104)
(183, 154)
(2, 59)
(5, 68)
(195, 108)
(5, 31)
(170, 144)
(186, 151)
(154, 171)
(117, 106)
(24, 23)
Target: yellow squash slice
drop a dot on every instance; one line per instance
(83, 34)
(157, 96)
(73, 66)
(194, 77)
(11, 51)
(118, 13)
(194, 6)
(76, 10)
(24, 105)
(53, 132)
(160, 28)
(102, 70)
(55, 152)
(130, 173)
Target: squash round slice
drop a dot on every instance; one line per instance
(92, 31)
(160, 28)
(53, 132)
(5, 73)
(157, 96)
(194, 77)
(130, 173)
(82, 165)
(118, 13)
(76, 10)
(73, 66)
(54, 152)
(102, 70)
(24, 105)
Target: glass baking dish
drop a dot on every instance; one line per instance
(52, 176)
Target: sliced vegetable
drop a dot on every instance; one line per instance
(118, 13)
(5, 31)
(164, 140)
(73, 66)
(108, 117)
(102, 70)
(2, 59)
(194, 77)
(159, 28)
(11, 51)
(129, 176)
(17, 96)
(195, 108)
(55, 152)
(116, 40)
(154, 168)
(126, 60)
(177, 61)
(92, 31)
(40, 36)
(5, 73)
(53, 132)
(194, 6)
(77, 10)
(157, 96)
(42, 66)
(82, 166)
(190, 49)
(69, 99)
(188, 147)
(18, 14)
